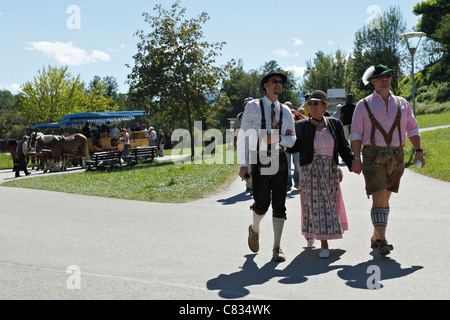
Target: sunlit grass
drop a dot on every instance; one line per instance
(156, 182)
(436, 145)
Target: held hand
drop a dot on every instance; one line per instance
(276, 138)
(357, 166)
(242, 172)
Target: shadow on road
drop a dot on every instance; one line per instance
(306, 264)
(358, 276)
(241, 197)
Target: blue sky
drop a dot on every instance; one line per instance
(95, 37)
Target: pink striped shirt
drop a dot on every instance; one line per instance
(362, 126)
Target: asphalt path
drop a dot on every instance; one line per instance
(67, 246)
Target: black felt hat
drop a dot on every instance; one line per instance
(270, 75)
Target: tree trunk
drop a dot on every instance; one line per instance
(190, 128)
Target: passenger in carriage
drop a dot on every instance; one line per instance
(145, 133)
(86, 131)
(105, 129)
(115, 131)
(95, 134)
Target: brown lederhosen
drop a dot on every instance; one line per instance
(383, 166)
(270, 188)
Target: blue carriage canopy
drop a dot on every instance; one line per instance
(79, 119)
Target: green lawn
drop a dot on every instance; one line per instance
(433, 120)
(6, 161)
(156, 182)
(436, 145)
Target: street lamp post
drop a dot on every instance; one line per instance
(412, 50)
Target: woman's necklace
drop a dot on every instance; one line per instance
(320, 122)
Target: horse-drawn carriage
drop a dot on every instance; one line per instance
(99, 141)
(79, 147)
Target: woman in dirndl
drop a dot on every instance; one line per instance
(320, 140)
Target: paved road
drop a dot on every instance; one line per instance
(65, 246)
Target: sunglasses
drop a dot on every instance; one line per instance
(314, 103)
(273, 81)
(385, 76)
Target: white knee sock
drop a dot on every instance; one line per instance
(278, 224)
(256, 221)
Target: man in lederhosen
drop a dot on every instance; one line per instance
(380, 125)
(267, 128)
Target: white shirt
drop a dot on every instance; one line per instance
(251, 125)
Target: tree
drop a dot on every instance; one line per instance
(102, 94)
(54, 93)
(51, 95)
(435, 21)
(378, 44)
(326, 71)
(238, 86)
(7, 100)
(433, 80)
(175, 71)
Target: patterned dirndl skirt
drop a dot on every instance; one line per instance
(322, 205)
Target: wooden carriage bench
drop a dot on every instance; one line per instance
(141, 153)
(101, 160)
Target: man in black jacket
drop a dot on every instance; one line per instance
(22, 148)
(347, 114)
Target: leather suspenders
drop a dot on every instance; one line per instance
(376, 125)
(263, 117)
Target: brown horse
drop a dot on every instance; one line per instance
(62, 147)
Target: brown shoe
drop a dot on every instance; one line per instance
(384, 248)
(278, 255)
(253, 240)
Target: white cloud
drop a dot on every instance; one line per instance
(67, 54)
(14, 88)
(285, 54)
(297, 42)
(298, 71)
(330, 43)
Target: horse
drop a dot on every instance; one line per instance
(61, 146)
(10, 145)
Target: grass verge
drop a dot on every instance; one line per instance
(155, 182)
(436, 145)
